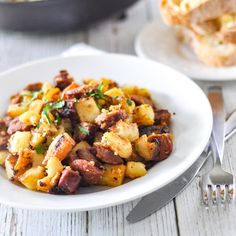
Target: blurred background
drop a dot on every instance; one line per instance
(36, 29)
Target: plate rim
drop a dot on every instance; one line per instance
(117, 202)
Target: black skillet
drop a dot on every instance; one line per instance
(57, 15)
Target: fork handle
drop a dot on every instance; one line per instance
(217, 103)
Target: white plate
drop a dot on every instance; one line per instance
(158, 42)
(191, 125)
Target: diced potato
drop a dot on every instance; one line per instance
(36, 106)
(47, 183)
(120, 146)
(9, 166)
(80, 146)
(126, 130)
(128, 105)
(134, 90)
(106, 84)
(113, 175)
(53, 167)
(37, 138)
(24, 159)
(46, 87)
(60, 147)
(145, 149)
(30, 178)
(87, 109)
(144, 115)
(44, 119)
(44, 184)
(52, 94)
(3, 156)
(30, 118)
(114, 92)
(135, 169)
(19, 141)
(37, 159)
(15, 110)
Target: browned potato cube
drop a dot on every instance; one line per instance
(113, 175)
(87, 109)
(135, 169)
(31, 176)
(60, 147)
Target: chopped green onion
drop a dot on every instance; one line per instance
(57, 119)
(83, 130)
(129, 102)
(58, 104)
(40, 149)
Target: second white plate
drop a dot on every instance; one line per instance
(159, 43)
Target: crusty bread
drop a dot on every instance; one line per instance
(209, 49)
(188, 12)
(224, 28)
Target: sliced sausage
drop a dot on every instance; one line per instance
(63, 79)
(69, 181)
(106, 120)
(3, 135)
(34, 87)
(157, 129)
(139, 100)
(165, 143)
(85, 131)
(7, 120)
(85, 154)
(16, 99)
(106, 155)
(89, 172)
(162, 116)
(78, 92)
(17, 125)
(3, 142)
(68, 111)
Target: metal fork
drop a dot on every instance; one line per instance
(217, 185)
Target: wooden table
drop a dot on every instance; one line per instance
(185, 215)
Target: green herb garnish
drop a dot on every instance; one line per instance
(58, 104)
(33, 95)
(40, 149)
(129, 102)
(51, 106)
(45, 112)
(57, 119)
(83, 130)
(98, 93)
(100, 87)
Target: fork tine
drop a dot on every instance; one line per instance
(214, 194)
(230, 192)
(205, 193)
(222, 193)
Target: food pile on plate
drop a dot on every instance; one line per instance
(58, 137)
(208, 26)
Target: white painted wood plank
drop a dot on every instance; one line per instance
(112, 221)
(17, 48)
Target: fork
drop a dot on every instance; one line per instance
(217, 185)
